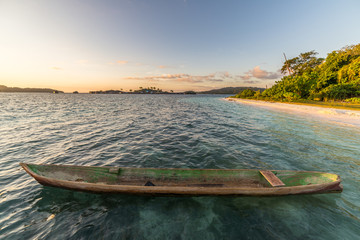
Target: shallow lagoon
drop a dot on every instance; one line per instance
(170, 131)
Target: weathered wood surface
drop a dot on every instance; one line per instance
(114, 170)
(272, 178)
(167, 182)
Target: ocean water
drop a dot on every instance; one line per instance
(170, 131)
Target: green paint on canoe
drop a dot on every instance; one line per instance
(102, 174)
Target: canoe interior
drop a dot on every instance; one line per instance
(178, 177)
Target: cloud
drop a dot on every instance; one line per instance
(251, 81)
(224, 74)
(183, 77)
(122, 62)
(245, 77)
(258, 73)
(56, 68)
(163, 66)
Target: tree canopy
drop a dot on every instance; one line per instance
(307, 77)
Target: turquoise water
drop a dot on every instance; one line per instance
(170, 131)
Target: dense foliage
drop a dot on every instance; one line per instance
(307, 77)
(149, 90)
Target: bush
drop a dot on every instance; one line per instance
(316, 97)
(291, 96)
(340, 91)
(247, 93)
(353, 100)
(257, 94)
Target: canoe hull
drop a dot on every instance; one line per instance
(331, 187)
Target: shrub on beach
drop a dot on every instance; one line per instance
(247, 93)
(291, 96)
(257, 94)
(355, 100)
(340, 91)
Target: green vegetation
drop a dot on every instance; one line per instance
(308, 78)
(149, 90)
(355, 100)
(249, 93)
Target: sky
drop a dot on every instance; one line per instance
(175, 45)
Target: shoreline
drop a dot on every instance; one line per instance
(330, 114)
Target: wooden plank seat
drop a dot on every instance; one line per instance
(271, 178)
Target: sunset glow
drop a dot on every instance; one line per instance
(174, 45)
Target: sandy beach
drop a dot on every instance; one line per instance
(339, 116)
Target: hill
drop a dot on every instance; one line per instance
(16, 89)
(230, 90)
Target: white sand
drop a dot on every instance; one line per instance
(339, 116)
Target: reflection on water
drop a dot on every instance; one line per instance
(169, 131)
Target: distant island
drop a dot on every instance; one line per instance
(106, 92)
(38, 90)
(231, 90)
(154, 90)
(141, 90)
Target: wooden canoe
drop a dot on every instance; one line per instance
(191, 182)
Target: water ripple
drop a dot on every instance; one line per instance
(177, 132)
